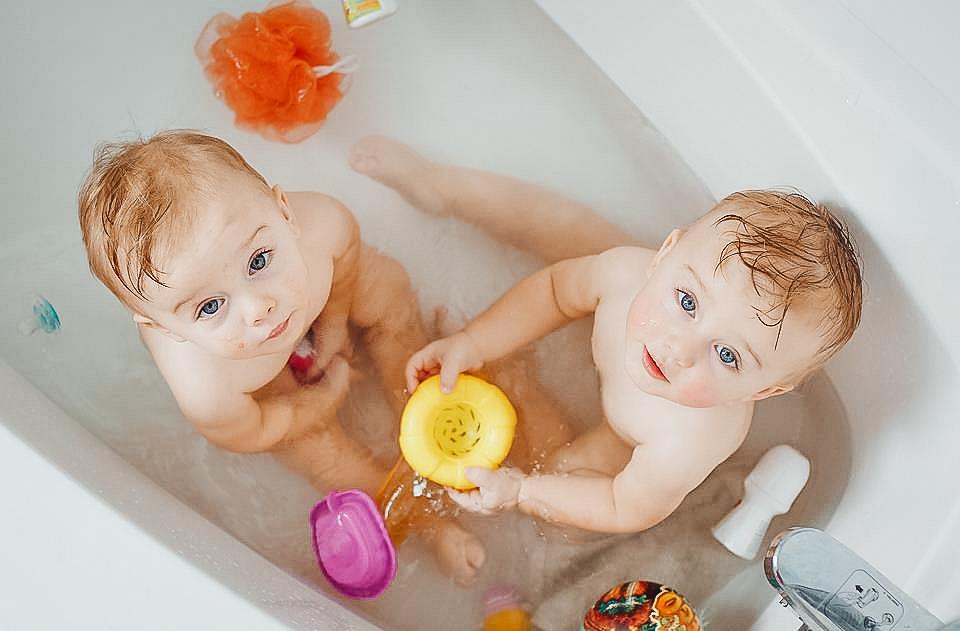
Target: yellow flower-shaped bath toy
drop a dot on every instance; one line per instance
(442, 434)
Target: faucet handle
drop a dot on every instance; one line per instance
(832, 589)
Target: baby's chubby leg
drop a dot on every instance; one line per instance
(524, 215)
(598, 451)
(543, 425)
(458, 552)
(329, 460)
(386, 310)
(317, 448)
(323, 454)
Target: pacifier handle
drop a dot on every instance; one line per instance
(346, 65)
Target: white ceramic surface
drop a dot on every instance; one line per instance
(117, 515)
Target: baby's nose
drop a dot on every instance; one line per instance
(681, 351)
(260, 307)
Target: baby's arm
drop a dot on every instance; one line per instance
(297, 423)
(340, 239)
(258, 421)
(643, 494)
(539, 304)
(649, 488)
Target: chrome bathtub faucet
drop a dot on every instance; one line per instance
(832, 589)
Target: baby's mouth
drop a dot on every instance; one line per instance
(653, 369)
(279, 329)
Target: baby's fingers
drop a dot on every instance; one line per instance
(412, 377)
(481, 476)
(421, 365)
(469, 500)
(449, 372)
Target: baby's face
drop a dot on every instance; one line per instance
(693, 333)
(238, 287)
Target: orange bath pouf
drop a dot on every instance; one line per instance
(274, 69)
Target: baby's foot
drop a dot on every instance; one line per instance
(459, 553)
(399, 167)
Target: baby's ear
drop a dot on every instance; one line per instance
(281, 198)
(667, 245)
(772, 391)
(144, 321)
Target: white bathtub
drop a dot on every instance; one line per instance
(118, 516)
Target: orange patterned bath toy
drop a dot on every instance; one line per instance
(274, 69)
(641, 606)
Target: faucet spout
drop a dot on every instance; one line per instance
(832, 589)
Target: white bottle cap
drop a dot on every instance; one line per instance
(780, 475)
(769, 490)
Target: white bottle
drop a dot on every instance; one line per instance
(361, 12)
(768, 490)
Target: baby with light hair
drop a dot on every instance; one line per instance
(226, 277)
(739, 306)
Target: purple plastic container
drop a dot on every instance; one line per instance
(352, 545)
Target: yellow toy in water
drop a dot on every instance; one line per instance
(441, 434)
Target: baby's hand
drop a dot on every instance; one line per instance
(498, 490)
(449, 356)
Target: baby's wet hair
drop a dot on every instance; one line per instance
(800, 256)
(139, 202)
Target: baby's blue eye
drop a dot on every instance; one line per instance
(726, 354)
(687, 302)
(210, 307)
(259, 261)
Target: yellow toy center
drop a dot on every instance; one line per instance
(441, 434)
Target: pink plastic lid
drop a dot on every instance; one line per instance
(499, 598)
(352, 545)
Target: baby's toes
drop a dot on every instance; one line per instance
(473, 557)
(460, 554)
(475, 553)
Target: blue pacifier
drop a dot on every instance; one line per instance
(44, 318)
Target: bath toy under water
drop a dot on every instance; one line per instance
(641, 606)
(442, 434)
(274, 69)
(352, 544)
(44, 317)
(503, 610)
(302, 358)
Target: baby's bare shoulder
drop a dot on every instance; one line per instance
(624, 266)
(626, 255)
(323, 220)
(202, 383)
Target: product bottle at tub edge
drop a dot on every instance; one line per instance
(769, 490)
(362, 12)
